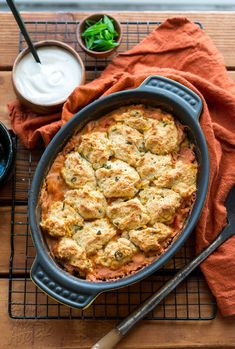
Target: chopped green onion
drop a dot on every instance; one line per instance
(94, 29)
(100, 36)
(109, 24)
(89, 22)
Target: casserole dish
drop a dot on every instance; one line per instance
(155, 91)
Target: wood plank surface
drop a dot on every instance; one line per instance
(83, 334)
(219, 25)
(5, 233)
(218, 333)
(6, 95)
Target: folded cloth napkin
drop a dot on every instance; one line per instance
(180, 50)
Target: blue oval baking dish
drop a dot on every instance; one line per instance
(159, 91)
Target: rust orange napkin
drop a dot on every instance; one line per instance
(180, 50)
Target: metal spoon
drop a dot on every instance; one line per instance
(23, 29)
(116, 334)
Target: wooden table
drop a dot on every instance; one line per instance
(217, 333)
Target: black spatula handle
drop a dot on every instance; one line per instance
(115, 335)
(157, 297)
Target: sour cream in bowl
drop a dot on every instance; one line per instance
(45, 87)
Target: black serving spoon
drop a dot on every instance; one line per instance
(116, 334)
(23, 29)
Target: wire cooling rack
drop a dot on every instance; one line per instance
(191, 300)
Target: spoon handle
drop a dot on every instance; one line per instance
(23, 29)
(115, 335)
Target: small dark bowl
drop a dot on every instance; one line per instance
(96, 17)
(7, 151)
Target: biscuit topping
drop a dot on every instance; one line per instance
(119, 193)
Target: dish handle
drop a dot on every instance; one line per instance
(176, 91)
(58, 290)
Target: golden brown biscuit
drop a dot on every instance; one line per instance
(96, 148)
(78, 172)
(152, 166)
(62, 220)
(149, 239)
(128, 215)
(117, 179)
(89, 203)
(186, 179)
(94, 235)
(162, 138)
(127, 143)
(69, 250)
(161, 204)
(116, 253)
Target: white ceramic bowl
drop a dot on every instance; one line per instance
(56, 103)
